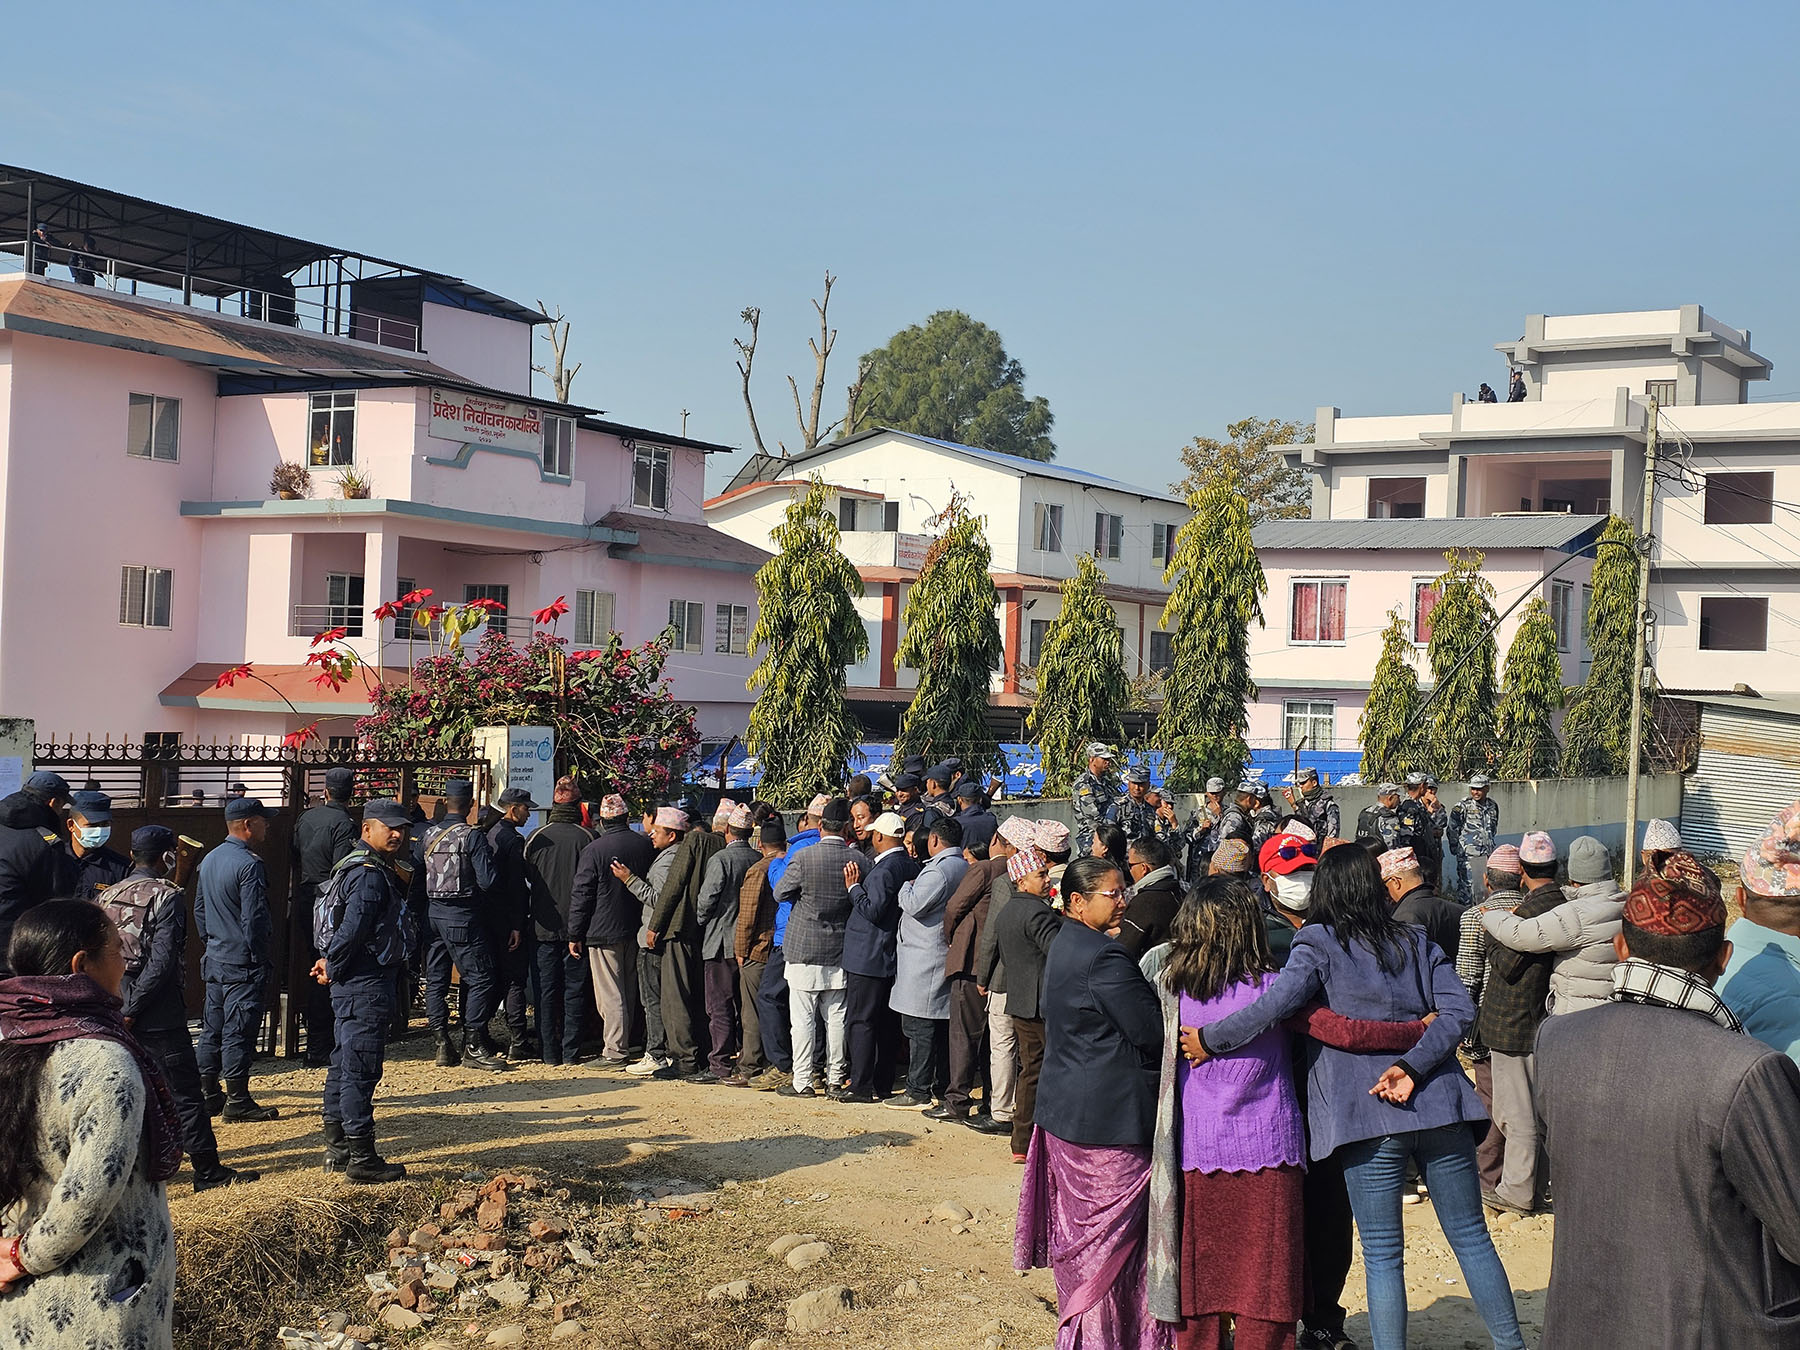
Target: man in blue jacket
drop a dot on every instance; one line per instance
(365, 950)
(233, 923)
(871, 935)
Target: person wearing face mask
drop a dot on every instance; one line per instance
(1286, 863)
(90, 826)
(150, 912)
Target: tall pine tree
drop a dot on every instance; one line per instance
(1217, 589)
(1597, 728)
(1390, 741)
(1462, 653)
(807, 631)
(1531, 697)
(952, 640)
(1081, 684)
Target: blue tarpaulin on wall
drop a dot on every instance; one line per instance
(1024, 765)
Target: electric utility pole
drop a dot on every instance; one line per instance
(1637, 667)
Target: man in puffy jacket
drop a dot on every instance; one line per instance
(1578, 933)
(552, 858)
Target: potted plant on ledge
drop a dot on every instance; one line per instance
(290, 481)
(354, 486)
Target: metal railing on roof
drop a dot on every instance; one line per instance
(283, 308)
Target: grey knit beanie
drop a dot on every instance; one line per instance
(1589, 861)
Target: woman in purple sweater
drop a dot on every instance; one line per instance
(1380, 1111)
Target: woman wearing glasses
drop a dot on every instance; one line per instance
(1084, 1210)
(1376, 1112)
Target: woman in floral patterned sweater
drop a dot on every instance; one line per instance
(88, 1137)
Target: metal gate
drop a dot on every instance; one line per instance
(1748, 769)
(185, 786)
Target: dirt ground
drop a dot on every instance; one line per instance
(864, 1179)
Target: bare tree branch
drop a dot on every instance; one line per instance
(751, 315)
(854, 412)
(562, 375)
(821, 350)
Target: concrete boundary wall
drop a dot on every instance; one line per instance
(1564, 808)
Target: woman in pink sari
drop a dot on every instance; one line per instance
(1084, 1209)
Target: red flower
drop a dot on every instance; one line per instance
(390, 610)
(295, 739)
(232, 676)
(331, 635)
(417, 597)
(432, 613)
(484, 603)
(551, 612)
(327, 676)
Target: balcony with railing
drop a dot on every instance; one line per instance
(309, 620)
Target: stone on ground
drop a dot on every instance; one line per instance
(819, 1309)
(807, 1255)
(951, 1212)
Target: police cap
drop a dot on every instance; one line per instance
(1100, 750)
(94, 807)
(459, 789)
(247, 808)
(1137, 773)
(941, 774)
(968, 790)
(1415, 779)
(517, 797)
(1215, 785)
(47, 784)
(1307, 775)
(340, 781)
(913, 764)
(389, 812)
(907, 782)
(153, 839)
(1481, 780)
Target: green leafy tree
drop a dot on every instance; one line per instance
(1252, 450)
(1082, 689)
(951, 378)
(952, 640)
(1217, 588)
(1531, 697)
(1390, 740)
(1462, 653)
(1597, 728)
(807, 632)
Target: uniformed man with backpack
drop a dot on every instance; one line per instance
(459, 873)
(358, 922)
(150, 911)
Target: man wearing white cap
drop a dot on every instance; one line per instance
(1661, 838)
(667, 825)
(717, 912)
(871, 935)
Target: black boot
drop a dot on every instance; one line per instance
(447, 1057)
(240, 1105)
(366, 1166)
(337, 1153)
(210, 1173)
(211, 1094)
(478, 1053)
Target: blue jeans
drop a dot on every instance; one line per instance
(1374, 1170)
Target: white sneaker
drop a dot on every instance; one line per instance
(648, 1065)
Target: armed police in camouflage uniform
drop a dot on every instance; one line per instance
(1234, 820)
(1134, 813)
(1417, 831)
(1264, 823)
(1311, 803)
(1382, 820)
(151, 914)
(1474, 822)
(1440, 818)
(1195, 841)
(1096, 796)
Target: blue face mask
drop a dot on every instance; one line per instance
(94, 836)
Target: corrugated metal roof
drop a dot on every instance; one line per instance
(1556, 531)
(1748, 770)
(1010, 463)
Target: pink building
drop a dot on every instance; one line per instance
(155, 368)
(1333, 583)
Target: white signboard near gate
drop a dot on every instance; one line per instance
(523, 757)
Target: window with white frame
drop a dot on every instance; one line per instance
(687, 626)
(403, 621)
(144, 596)
(890, 517)
(332, 442)
(1317, 610)
(344, 602)
(846, 514)
(559, 445)
(1315, 720)
(731, 632)
(1425, 598)
(593, 617)
(153, 427)
(1162, 651)
(1162, 542)
(1562, 605)
(1109, 534)
(501, 595)
(1047, 527)
(650, 477)
(1034, 646)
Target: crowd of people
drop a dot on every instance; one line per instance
(1224, 1051)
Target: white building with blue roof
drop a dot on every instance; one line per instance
(888, 486)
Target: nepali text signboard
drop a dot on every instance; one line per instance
(523, 757)
(910, 551)
(473, 419)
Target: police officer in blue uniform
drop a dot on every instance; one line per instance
(90, 827)
(34, 865)
(978, 823)
(233, 923)
(150, 911)
(359, 921)
(508, 916)
(323, 837)
(457, 865)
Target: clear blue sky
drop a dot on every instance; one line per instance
(1176, 215)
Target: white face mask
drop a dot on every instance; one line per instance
(1294, 891)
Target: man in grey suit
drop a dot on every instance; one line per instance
(814, 948)
(1672, 1138)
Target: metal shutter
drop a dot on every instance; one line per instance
(1748, 769)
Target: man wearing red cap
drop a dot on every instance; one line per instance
(1672, 1137)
